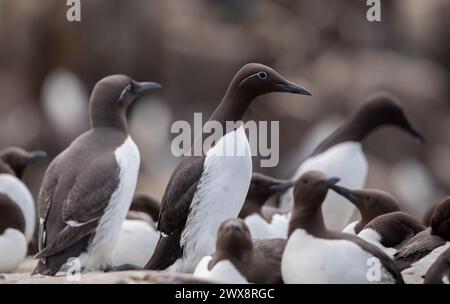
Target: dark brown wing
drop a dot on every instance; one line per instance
(179, 194)
(174, 212)
(416, 248)
(84, 205)
(266, 268)
(384, 259)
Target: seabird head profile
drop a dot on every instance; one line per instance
(262, 187)
(370, 203)
(384, 109)
(311, 189)
(255, 79)
(234, 236)
(111, 97)
(18, 159)
(146, 204)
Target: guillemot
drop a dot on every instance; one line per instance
(370, 203)
(416, 256)
(205, 190)
(341, 154)
(15, 160)
(265, 222)
(238, 259)
(87, 189)
(314, 254)
(13, 243)
(389, 231)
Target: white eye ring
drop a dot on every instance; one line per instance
(262, 75)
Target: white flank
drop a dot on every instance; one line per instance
(110, 224)
(136, 244)
(13, 249)
(223, 272)
(310, 260)
(416, 272)
(19, 193)
(220, 194)
(346, 161)
(261, 229)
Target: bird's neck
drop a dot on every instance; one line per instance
(356, 129)
(109, 118)
(232, 107)
(310, 220)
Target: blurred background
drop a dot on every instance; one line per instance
(48, 66)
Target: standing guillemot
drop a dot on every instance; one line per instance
(13, 243)
(238, 259)
(370, 203)
(314, 254)
(341, 154)
(416, 256)
(389, 231)
(138, 236)
(439, 272)
(88, 188)
(15, 160)
(205, 190)
(264, 222)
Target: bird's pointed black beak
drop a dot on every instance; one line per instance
(416, 134)
(347, 193)
(282, 186)
(38, 154)
(290, 87)
(144, 87)
(330, 182)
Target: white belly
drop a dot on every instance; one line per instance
(350, 228)
(220, 195)
(110, 225)
(13, 249)
(223, 272)
(19, 193)
(346, 161)
(310, 260)
(136, 244)
(416, 272)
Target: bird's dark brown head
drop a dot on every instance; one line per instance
(256, 79)
(18, 159)
(384, 109)
(111, 97)
(262, 187)
(440, 220)
(311, 189)
(370, 203)
(234, 237)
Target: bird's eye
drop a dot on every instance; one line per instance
(262, 75)
(131, 87)
(305, 181)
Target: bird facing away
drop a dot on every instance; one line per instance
(341, 154)
(203, 191)
(389, 231)
(314, 254)
(370, 203)
(238, 259)
(87, 189)
(416, 256)
(265, 222)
